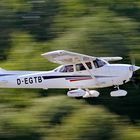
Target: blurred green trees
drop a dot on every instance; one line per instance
(99, 28)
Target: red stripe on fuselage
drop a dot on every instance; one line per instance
(74, 80)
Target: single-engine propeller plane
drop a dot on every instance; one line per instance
(78, 72)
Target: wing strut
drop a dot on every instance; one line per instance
(91, 74)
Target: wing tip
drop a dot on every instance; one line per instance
(53, 52)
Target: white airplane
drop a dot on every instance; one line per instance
(77, 72)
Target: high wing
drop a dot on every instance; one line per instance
(111, 58)
(65, 57)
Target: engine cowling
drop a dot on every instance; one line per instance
(76, 93)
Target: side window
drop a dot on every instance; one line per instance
(89, 65)
(68, 68)
(95, 64)
(80, 67)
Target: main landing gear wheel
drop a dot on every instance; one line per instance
(91, 94)
(118, 92)
(78, 93)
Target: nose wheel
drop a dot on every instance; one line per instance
(118, 92)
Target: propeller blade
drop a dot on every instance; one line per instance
(135, 78)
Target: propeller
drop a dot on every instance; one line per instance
(133, 62)
(135, 77)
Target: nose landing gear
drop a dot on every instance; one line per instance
(118, 92)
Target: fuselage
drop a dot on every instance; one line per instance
(102, 76)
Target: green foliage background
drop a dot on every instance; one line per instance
(29, 28)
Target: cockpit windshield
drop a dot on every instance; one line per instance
(99, 63)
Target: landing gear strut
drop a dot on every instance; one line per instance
(117, 87)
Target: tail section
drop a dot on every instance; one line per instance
(3, 72)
